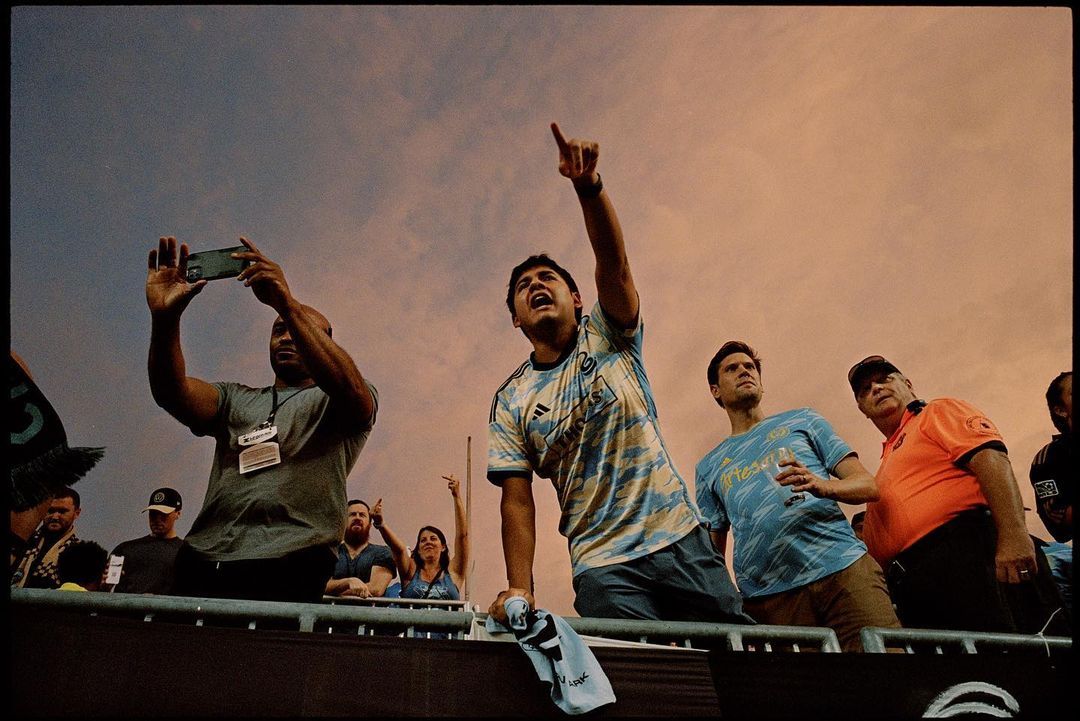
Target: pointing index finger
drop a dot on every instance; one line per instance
(564, 147)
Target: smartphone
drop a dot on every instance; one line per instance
(214, 264)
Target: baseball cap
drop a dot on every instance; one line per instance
(869, 364)
(165, 500)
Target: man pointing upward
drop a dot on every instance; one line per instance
(580, 412)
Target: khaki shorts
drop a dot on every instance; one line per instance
(844, 601)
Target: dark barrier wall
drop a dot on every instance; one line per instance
(71, 665)
(892, 686)
(64, 664)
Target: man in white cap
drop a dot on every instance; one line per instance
(148, 562)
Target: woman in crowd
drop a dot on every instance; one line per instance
(429, 572)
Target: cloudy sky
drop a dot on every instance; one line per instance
(825, 183)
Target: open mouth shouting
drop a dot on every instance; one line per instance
(541, 299)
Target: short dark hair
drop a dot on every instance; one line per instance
(82, 562)
(444, 557)
(729, 348)
(69, 492)
(535, 261)
(354, 501)
(1055, 397)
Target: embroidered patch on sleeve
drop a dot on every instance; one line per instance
(981, 424)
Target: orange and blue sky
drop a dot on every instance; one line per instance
(824, 183)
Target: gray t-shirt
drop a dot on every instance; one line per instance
(149, 564)
(299, 503)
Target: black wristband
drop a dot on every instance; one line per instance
(593, 190)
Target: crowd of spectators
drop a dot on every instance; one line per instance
(942, 543)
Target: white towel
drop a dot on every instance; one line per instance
(560, 657)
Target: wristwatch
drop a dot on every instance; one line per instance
(591, 191)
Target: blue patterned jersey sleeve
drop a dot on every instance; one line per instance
(630, 339)
(507, 454)
(830, 447)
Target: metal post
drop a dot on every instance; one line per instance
(468, 514)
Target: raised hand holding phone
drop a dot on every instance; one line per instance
(215, 264)
(167, 289)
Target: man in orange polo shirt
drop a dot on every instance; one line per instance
(949, 526)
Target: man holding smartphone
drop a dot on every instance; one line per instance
(276, 499)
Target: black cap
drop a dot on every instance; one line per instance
(165, 500)
(869, 364)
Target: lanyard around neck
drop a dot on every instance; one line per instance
(276, 407)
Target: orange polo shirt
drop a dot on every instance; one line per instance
(921, 483)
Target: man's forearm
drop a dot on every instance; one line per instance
(190, 400)
(330, 366)
(994, 473)
(519, 541)
(605, 235)
(380, 578)
(165, 363)
(614, 282)
(167, 369)
(335, 586)
(853, 484)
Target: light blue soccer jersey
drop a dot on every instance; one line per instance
(777, 547)
(588, 423)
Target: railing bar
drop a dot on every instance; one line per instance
(434, 618)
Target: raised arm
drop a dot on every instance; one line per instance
(405, 565)
(459, 562)
(519, 542)
(614, 282)
(332, 369)
(191, 401)
(1015, 556)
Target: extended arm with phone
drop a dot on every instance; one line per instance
(190, 400)
(330, 366)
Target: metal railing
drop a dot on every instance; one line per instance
(396, 602)
(453, 619)
(941, 642)
(310, 617)
(377, 627)
(365, 617)
(734, 637)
